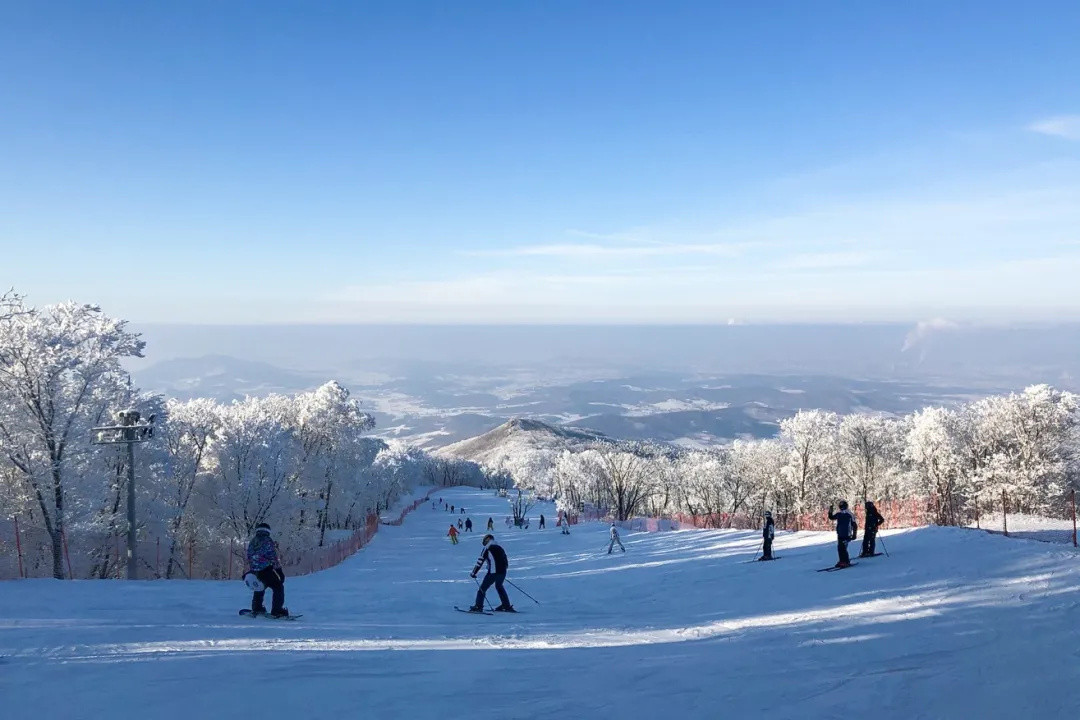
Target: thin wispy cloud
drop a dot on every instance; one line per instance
(592, 250)
(1063, 126)
(826, 261)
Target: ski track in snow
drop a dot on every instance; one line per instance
(955, 624)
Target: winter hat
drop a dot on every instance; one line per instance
(261, 527)
(843, 504)
(768, 513)
(487, 539)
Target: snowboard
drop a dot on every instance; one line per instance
(471, 612)
(831, 568)
(246, 612)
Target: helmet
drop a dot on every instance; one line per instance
(843, 504)
(487, 538)
(253, 582)
(262, 527)
(768, 513)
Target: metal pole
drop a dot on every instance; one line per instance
(1073, 496)
(1004, 513)
(132, 550)
(22, 573)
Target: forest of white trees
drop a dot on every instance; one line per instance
(951, 463)
(305, 464)
(208, 475)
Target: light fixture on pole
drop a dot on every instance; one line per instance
(131, 430)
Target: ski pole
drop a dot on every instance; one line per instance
(485, 595)
(760, 550)
(523, 592)
(880, 540)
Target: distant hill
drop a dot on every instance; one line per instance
(518, 435)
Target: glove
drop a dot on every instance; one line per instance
(472, 575)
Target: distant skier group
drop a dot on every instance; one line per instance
(847, 530)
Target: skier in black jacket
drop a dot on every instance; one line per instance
(494, 557)
(874, 520)
(846, 530)
(767, 534)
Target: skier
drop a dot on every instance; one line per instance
(264, 564)
(874, 520)
(565, 524)
(460, 524)
(491, 524)
(453, 535)
(451, 508)
(494, 557)
(468, 524)
(767, 537)
(541, 521)
(614, 539)
(846, 530)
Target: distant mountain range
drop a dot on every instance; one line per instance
(433, 404)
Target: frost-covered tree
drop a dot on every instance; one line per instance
(59, 370)
(811, 436)
(186, 433)
(328, 425)
(868, 448)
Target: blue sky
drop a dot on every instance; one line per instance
(543, 162)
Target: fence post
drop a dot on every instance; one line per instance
(1005, 513)
(22, 573)
(67, 555)
(190, 557)
(157, 559)
(977, 526)
(230, 558)
(1072, 496)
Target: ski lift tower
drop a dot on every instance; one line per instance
(131, 430)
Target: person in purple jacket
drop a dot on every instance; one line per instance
(264, 564)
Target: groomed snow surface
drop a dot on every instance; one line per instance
(955, 624)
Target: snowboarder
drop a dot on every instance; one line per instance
(453, 535)
(265, 565)
(614, 539)
(494, 557)
(767, 534)
(874, 520)
(468, 524)
(460, 524)
(846, 530)
(541, 521)
(491, 524)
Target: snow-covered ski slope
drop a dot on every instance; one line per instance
(956, 624)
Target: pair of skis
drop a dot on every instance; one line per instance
(486, 612)
(833, 568)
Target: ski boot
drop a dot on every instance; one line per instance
(477, 608)
(282, 613)
(505, 608)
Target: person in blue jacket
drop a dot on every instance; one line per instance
(846, 530)
(264, 564)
